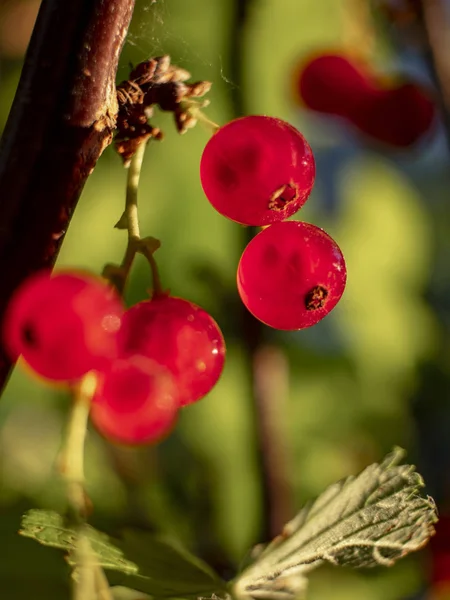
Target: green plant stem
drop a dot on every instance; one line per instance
(156, 279)
(131, 212)
(89, 582)
(131, 202)
(71, 462)
(136, 244)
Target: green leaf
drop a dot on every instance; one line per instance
(49, 529)
(365, 521)
(166, 570)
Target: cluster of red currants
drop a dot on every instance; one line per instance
(150, 360)
(259, 171)
(335, 84)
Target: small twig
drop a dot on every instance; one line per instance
(84, 576)
(102, 584)
(130, 220)
(271, 386)
(436, 27)
(131, 202)
(130, 215)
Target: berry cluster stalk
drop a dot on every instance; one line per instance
(130, 215)
(62, 119)
(89, 580)
(118, 274)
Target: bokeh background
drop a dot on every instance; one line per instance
(375, 373)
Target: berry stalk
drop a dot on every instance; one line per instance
(71, 458)
(118, 275)
(131, 202)
(89, 580)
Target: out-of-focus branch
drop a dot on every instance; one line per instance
(271, 388)
(62, 119)
(268, 365)
(436, 19)
(436, 27)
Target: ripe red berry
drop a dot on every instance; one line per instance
(180, 336)
(64, 324)
(136, 401)
(398, 116)
(257, 170)
(333, 84)
(291, 275)
(440, 554)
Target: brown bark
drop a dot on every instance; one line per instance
(436, 20)
(62, 119)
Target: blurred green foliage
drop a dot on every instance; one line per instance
(351, 380)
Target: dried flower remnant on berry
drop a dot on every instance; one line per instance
(316, 298)
(283, 197)
(154, 82)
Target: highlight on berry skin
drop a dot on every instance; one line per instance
(395, 114)
(180, 336)
(257, 170)
(291, 275)
(63, 324)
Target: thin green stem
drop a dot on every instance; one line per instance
(131, 217)
(131, 202)
(71, 460)
(135, 245)
(88, 583)
(131, 209)
(156, 279)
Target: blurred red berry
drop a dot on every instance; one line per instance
(395, 115)
(182, 337)
(398, 117)
(333, 84)
(291, 275)
(257, 170)
(136, 402)
(440, 553)
(64, 324)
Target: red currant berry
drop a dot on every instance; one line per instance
(333, 84)
(64, 324)
(257, 170)
(136, 401)
(440, 553)
(291, 275)
(398, 117)
(180, 336)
